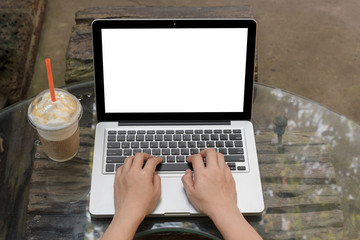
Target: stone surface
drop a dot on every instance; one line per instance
(20, 25)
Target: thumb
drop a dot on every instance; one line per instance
(188, 181)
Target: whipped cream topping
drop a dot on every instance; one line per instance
(47, 114)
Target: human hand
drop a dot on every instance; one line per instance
(137, 189)
(212, 187)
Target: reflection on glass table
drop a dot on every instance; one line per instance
(309, 163)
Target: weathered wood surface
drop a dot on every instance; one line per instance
(20, 26)
(299, 185)
(79, 59)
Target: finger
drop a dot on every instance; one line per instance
(151, 164)
(128, 163)
(157, 183)
(139, 160)
(188, 182)
(197, 162)
(221, 160)
(211, 157)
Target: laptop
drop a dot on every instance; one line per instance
(171, 88)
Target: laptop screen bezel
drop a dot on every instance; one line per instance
(99, 24)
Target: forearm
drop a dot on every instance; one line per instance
(122, 229)
(232, 225)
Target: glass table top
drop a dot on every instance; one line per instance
(308, 156)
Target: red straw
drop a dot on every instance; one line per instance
(50, 79)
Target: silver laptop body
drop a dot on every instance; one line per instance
(179, 77)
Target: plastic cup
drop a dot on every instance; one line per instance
(57, 123)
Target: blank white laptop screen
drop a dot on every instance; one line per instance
(174, 70)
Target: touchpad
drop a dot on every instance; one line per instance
(173, 200)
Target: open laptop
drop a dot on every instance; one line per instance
(171, 88)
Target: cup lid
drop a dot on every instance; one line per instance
(47, 115)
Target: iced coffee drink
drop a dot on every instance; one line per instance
(57, 123)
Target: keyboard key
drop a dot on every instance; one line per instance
(220, 144)
(121, 132)
(150, 131)
(136, 150)
(163, 144)
(140, 132)
(167, 137)
(140, 138)
(170, 131)
(238, 143)
(179, 131)
(194, 151)
(128, 152)
(205, 137)
(198, 131)
(144, 144)
(236, 131)
(154, 145)
(113, 145)
(160, 132)
(214, 136)
(171, 159)
(115, 159)
(180, 158)
(125, 145)
(208, 131)
(241, 168)
(109, 168)
(229, 143)
(135, 145)
(131, 132)
(175, 151)
(235, 136)
(149, 138)
(223, 150)
(227, 131)
(182, 144)
(111, 132)
(156, 152)
(159, 137)
(217, 131)
(120, 138)
(111, 138)
(187, 137)
(200, 144)
(234, 158)
(177, 137)
(165, 151)
(147, 150)
(130, 138)
(189, 131)
(172, 144)
(196, 137)
(223, 137)
(185, 151)
(210, 144)
(117, 152)
(191, 144)
(173, 167)
(236, 151)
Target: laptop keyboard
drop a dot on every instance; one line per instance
(174, 146)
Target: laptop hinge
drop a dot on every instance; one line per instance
(170, 123)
